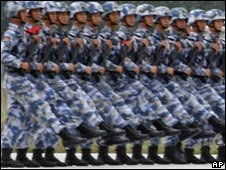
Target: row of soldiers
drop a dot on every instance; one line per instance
(112, 82)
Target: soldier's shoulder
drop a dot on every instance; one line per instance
(9, 35)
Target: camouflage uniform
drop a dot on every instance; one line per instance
(189, 101)
(209, 37)
(18, 84)
(201, 63)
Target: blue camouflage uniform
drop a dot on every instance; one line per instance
(60, 109)
(124, 111)
(13, 48)
(217, 83)
(105, 108)
(204, 89)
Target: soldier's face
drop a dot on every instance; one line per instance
(181, 24)
(149, 20)
(218, 24)
(114, 17)
(53, 17)
(130, 20)
(165, 22)
(63, 17)
(201, 24)
(96, 18)
(82, 17)
(36, 14)
(23, 15)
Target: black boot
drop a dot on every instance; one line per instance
(186, 132)
(123, 158)
(191, 158)
(137, 154)
(133, 134)
(115, 140)
(89, 133)
(221, 154)
(179, 148)
(150, 131)
(37, 156)
(86, 156)
(160, 125)
(205, 154)
(203, 133)
(104, 157)
(22, 157)
(153, 155)
(71, 158)
(69, 140)
(6, 160)
(49, 156)
(110, 130)
(218, 125)
(173, 155)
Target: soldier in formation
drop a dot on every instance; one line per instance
(108, 80)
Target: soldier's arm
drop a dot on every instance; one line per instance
(8, 43)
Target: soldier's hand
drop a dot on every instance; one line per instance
(71, 67)
(178, 46)
(208, 72)
(221, 74)
(129, 44)
(109, 44)
(96, 42)
(25, 66)
(170, 70)
(119, 69)
(145, 41)
(137, 69)
(38, 39)
(189, 71)
(56, 68)
(216, 47)
(154, 69)
(88, 70)
(101, 70)
(67, 41)
(198, 45)
(54, 41)
(164, 44)
(79, 41)
(40, 67)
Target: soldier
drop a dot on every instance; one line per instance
(212, 38)
(76, 102)
(182, 71)
(18, 84)
(99, 58)
(202, 72)
(114, 62)
(145, 18)
(61, 110)
(162, 21)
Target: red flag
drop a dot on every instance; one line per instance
(34, 30)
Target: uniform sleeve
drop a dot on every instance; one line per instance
(8, 43)
(110, 66)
